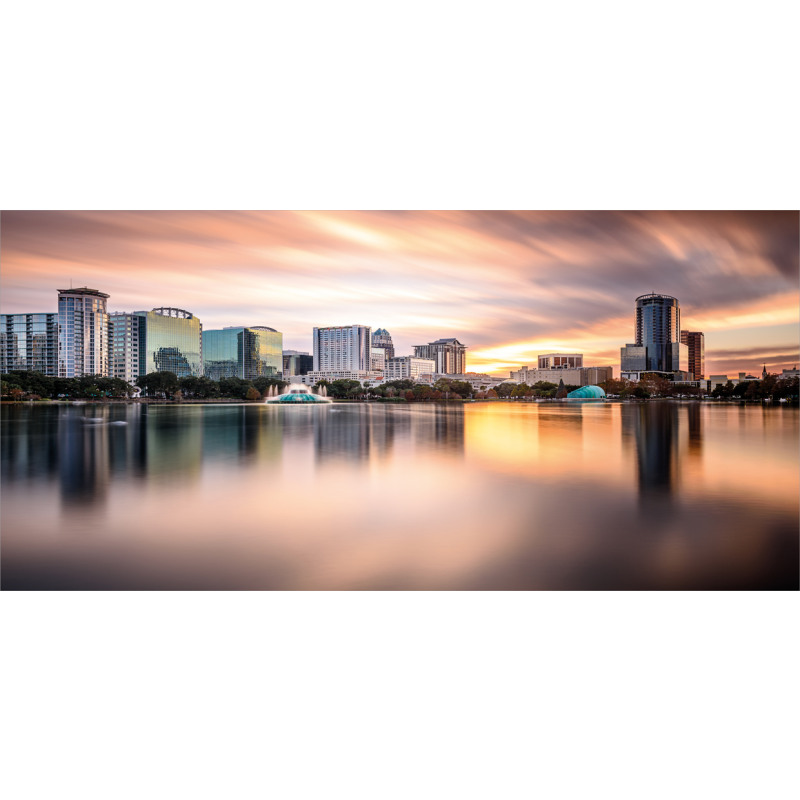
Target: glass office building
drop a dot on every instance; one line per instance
(246, 353)
(29, 342)
(173, 342)
(658, 325)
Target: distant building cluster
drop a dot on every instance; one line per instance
(555, 367)
(84, 338)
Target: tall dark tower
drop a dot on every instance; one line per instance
(658, 325)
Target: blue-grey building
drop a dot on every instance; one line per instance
(29, 342)
(658, 345)
(243, 352)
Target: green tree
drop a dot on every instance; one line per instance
(156, 384)
(545, 389)
(343, 387)
(504, 390)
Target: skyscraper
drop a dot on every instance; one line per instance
(82, 333)
(658, 345)
(449, 355)
(29, 342)
(246, 353)
(382, 338)
(342, 348)
(695, 341)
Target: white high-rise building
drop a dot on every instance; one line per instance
(126, 346)
(345, 348)
(82, 333)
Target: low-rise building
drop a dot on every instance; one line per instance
(377, 358)
(410, 367)
(579, 376)
(296, 362)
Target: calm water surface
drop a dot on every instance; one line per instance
(482, 496)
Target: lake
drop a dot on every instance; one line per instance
(578, 496)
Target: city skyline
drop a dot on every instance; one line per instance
(510, 284)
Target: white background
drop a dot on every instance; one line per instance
(370, 105)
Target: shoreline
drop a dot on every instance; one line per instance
(399, 401)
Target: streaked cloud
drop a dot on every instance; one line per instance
(509, 284)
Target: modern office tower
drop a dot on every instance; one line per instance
(29, 342)
(173, 342)
(383, 339)
(377, 358)
(345, 348)
(246, 353)
(449, 354)
(82, 333)
(408, 367)
(695, 341)
(561, 361)
(297, 362)
(657, 327)
(127, 348)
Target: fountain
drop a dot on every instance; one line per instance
(297, 393)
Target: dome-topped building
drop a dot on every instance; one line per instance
(587, 393)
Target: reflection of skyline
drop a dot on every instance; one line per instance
(663, 440)
(655, 431)
(380, 496)
(86, 448)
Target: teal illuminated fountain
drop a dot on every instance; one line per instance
(299, 394)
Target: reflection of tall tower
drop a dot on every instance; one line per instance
(343, 435)
(439, 427)
(83, 459)
(655, 429)
(693, 415)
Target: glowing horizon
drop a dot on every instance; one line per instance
(510, 285)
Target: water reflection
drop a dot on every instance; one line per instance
(481, 496)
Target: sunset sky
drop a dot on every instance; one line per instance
(509, 284)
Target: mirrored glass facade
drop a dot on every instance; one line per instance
(245, 353)
(173, 342)
(30, 342)
(658, 324)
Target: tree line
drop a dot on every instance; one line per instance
(769, 388)
(28, 385)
